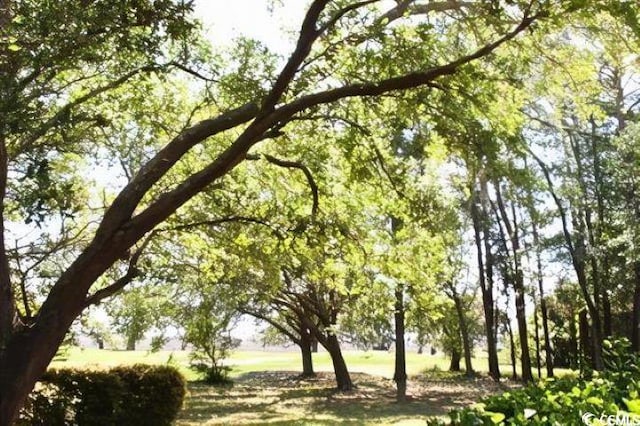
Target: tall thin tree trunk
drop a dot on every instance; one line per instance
(607, 319)
(577, 250)
(464, 331)
(485, 274)
(573, 340)
(518, 283)
(400, 373)
(537, 336)
(512, 343)
(543, 303)
(586, 348)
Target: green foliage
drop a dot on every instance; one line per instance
(133, 395)
(208, 331)
(154, 394)
(560, 401)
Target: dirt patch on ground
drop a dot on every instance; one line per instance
(286, 398)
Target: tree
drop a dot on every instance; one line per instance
(133, 315)
(581, 184)
(110, 44)
(208, 331)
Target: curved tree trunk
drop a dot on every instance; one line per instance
(22, 362)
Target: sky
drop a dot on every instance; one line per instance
(226, 20)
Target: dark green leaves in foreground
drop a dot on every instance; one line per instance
(566, 400)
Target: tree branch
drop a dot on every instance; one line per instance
(128, 199)
(308, 35)
(234, 154)
(282, 329)
(132, 273)
(556, 199)
(192, 72)
(405, 7)
(294, 165)
(342, 12)
(222, 221)
(65, 110)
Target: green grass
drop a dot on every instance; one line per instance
(371, 362)
(267, 390)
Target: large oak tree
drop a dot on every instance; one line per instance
(65, 63)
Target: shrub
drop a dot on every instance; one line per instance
(615, 391)
(213, 374)
(154, 394)
(140, 395)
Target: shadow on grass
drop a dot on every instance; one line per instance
(286, 398)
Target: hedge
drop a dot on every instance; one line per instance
(133, 395)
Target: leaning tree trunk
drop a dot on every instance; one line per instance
(575, 243)
(343, 379)
(400, 374)
(22, 361)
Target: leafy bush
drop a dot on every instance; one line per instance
(614, 391)
(136, 395)
(154, 394)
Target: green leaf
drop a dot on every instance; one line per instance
(595, 401)
(496, 418)
(633, 405)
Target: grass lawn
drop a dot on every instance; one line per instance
(267, 389)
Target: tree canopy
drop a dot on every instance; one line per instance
(136, 154)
